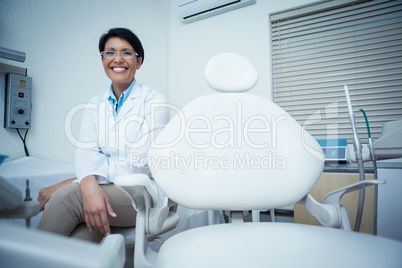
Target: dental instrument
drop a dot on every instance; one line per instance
(358, 153)
(373, 159)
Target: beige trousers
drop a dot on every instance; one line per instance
(64, 214)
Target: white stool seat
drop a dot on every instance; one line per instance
(277, 245)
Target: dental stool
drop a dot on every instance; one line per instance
(246, 153)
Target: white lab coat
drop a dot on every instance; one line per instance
(109, 147)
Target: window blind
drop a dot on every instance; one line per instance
(316, 50)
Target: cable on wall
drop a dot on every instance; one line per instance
(24, 140)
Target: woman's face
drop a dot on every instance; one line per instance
(120, 70)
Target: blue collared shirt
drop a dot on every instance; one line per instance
(113, 101)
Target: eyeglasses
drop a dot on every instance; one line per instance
(112, 54)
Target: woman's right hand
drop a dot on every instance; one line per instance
(46, 193)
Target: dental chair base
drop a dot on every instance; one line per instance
(276, 245)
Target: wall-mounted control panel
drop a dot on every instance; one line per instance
(18, 101)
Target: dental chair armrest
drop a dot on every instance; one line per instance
(335, 196)
(326, 214)
(151, 220)
(138, 187)
(331, 213)
(144, 197)
(140, 190)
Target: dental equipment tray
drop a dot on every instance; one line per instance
(334, 149)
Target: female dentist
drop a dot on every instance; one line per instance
(116, 131)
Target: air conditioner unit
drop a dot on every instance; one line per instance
(192, 10)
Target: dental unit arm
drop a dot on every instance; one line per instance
(358, 153)
(356, 141)
(331, 213)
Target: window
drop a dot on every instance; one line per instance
(318, 49)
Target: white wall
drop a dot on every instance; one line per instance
(60, 39)
(245, 31)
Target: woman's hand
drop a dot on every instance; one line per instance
(96, 206)
(46, 193)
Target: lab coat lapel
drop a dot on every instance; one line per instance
(106, 124)
(130, 102)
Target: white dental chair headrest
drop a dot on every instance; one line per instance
(230, 72)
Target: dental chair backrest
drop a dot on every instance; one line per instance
(233, 150)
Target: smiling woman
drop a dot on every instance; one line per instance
(91, 199)
(120, 62)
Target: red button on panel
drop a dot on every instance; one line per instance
(21, 94)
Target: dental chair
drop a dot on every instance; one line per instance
(24, 247)
(248, 154)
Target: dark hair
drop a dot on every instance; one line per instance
(125, 34)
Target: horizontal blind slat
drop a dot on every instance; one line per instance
(325, 9)
(339, 25)
(313, 56)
